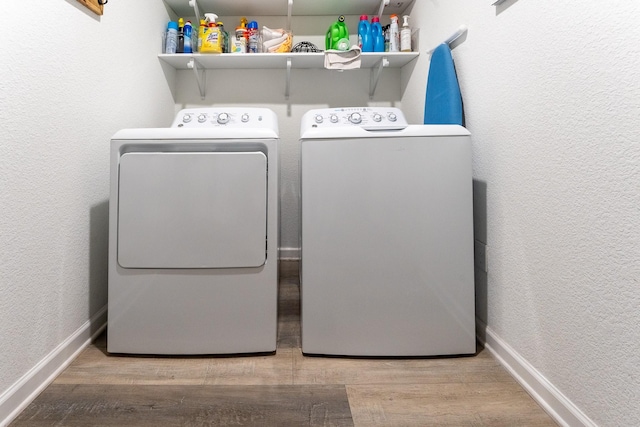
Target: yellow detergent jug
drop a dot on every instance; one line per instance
(212, 39)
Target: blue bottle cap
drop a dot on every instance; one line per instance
(252, 24)
(172, 25)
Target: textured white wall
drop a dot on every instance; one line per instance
(552, 98)
(68, 81)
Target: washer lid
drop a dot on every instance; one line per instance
(192, 210)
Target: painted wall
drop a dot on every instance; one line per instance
(65, 88)
(552, 98)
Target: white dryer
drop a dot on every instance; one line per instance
(193, 235)
(386, 235)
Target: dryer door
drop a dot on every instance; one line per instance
(192, 210)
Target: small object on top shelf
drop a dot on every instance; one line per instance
(377, 35)
(306, 47)
(365, 39)
(394, 35)
(405, 36)
(254, 37)
(171, 44)
(213, 38)
(338, 35)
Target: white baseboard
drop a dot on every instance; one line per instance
(289, 254)
(26, 389)
(556, 404)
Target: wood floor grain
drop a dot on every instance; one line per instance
(185, 405)
(285, 389)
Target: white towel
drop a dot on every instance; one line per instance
(342, 60)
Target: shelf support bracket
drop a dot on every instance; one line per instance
(289, 12)
(383, 3)
(201, 80)
(194, 5)
(287, 88)
(375, 75)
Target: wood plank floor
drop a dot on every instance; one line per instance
(285, 389)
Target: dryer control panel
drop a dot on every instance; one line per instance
(369, 118)
(229, 117)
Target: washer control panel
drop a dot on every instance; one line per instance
(231, 117)
(369, 118)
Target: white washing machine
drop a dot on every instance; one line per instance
(386, 235)
(193, 235)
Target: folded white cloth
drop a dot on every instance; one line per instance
(342, 60)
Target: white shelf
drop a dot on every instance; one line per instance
(286, 61)
(376, 62)
(180, 61)
(279, 7)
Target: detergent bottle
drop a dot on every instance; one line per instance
(394, 35)
(212, 41)
(202, 31)
(365, 41)
(338, 35)
(225, 37)
(239, 42)
(180, 47)
(187, 37)
(377, 35)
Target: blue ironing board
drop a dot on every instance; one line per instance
(443, 101)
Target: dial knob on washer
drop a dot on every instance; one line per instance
(202, 118)
(319, 118)
(355, 118)
(334, 118)
(186, 118)
(392, 117)
(377, 117)
(223, 118)
(245, 118)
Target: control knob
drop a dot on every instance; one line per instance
(393, 117)
(245, 118)
(186, 118)
(202, 118)
(319, 118)
(334, 118)
(377, 117)
(223, 118)
(355, 118)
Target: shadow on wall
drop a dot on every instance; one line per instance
(480, 240)
(504, 6)
(98, 258)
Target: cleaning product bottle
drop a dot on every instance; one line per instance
(377, 35)
(394, 35)
(239, 42)
(180, 47)
(365, 40)
(202, 31)
(338, 36)
(385, 30)
(225, 37)
(171, 43)
(187, 30)
(212, 42)
(405, 35)
(254, 36)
